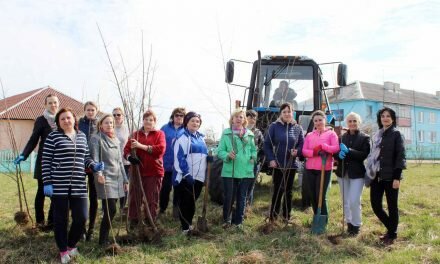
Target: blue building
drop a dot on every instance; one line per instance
(418, 114)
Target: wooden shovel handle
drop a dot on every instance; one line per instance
(205, 195)
(321, 184)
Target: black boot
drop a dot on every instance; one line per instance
(349, 228)
(354, 231)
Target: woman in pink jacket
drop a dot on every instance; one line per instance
(319, 143)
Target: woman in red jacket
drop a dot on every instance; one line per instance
(146, 148)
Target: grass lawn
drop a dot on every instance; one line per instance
(418, 241)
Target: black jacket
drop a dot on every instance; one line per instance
(40, 132)
(392, 155)
(359, 146)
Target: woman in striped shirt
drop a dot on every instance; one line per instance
(65, 155)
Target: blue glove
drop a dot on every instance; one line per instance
(344, 148)
(342, 155)
(48, 190)
(189, 179)
(98, 167)
(19, 159)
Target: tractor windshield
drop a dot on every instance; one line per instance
(283, 83)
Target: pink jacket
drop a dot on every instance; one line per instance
(330, 144)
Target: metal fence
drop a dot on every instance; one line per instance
(6, 162)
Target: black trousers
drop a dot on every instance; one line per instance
(312, 181)
(93, 202)
(123, 200)
(61, 207)
(109, 214)
(39, 205)
(187, 195)
(390, 220)
(283, 183)
(164, 196)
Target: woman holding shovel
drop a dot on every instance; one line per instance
(190, 154)
(355, 147)
(239, 154)
(319, 146)
(145, 150)
(282, 145)
(111, 183)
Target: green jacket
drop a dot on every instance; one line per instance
(245, 154)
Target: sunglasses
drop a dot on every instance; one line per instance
(178, 115)
(117, 115)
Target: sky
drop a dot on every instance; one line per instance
(57, 43)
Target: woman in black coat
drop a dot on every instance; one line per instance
(384, 171)
(44, 125)
(355, 147)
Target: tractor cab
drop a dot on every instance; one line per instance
(275, 80)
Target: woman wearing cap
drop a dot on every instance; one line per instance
(282, 145)
(239, 154)
(319, 144)
(111, 183)
(173, 129)
(148, 145)
(355, 147)
(190, 154)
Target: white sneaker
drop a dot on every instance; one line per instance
(65, 258)
(73, 252)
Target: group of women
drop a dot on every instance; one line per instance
(94, 156)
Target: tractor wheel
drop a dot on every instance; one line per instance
(216, 182)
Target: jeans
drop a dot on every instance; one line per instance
(234, 188)
(351, 192)
(390, 220)
(187, 196)
(61, 206)
(39, 205)
(123, 200)
(283, 183)
(312, 179)
(109, 214)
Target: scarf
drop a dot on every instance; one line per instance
(373, 162)
(50, 119)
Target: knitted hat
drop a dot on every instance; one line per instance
(190, 115)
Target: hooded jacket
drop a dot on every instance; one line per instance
(190, 154)
(280, 139)
(245, 154)
(330, 145)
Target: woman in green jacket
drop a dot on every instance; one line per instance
(239, 154)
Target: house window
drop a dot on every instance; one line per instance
(369, 112)
(433, 137)
(420, 136)
(432, 118)
(406, 132)
(404, 111)
(420, 117)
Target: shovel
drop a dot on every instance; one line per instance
(320, 221)
(202, 223)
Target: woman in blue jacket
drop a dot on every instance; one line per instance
(190, 153)
(172, 130)
(282, 145)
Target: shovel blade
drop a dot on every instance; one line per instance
(319, 223)
(202, 224)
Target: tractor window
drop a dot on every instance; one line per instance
(282, 83)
